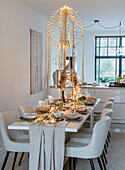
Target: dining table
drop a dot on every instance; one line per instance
(49, 139)
(72, 125)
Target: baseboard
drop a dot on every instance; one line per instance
(2, 151)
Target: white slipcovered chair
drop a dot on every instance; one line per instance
(111, 99)
(14, 141)
(108, 105)
(26, 109)
(93, 149)
(86, 133)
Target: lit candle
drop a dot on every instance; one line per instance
(52, 121)
(74, 92)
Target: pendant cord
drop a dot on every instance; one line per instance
(97, 22)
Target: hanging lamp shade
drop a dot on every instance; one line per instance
(64, 30)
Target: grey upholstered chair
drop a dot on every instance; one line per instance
(14, 141)
(94, 148)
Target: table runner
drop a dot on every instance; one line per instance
(47, 145)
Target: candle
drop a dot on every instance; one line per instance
(59, 93)
(78, 81)
(74, 92)
(74, 101)
(52, 121)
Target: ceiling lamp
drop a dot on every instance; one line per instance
(64, 30)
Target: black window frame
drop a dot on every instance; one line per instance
(107, 56)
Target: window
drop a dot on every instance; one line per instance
(108, 62)
(67, 61)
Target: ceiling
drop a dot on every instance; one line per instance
(109, 12)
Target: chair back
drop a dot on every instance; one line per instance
(99, 135)
(7, 118)
(111, 99)
(107, 112)
(108, 105)
(26, 109)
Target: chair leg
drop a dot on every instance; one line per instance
(103, 162)
(105, 148)
(105, 157)
(107, 143)
(5, 160)
(74, 163)
(92, 164)
(109, 134)
(108, 138)
(14, 161)
(99, 162)
(21, 159)
(69, 163)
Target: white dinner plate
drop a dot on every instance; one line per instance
(73, 116)
(29, 117)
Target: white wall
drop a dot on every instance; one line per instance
(89, 52)
(16, 19)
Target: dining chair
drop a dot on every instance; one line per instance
(26, 109)
(14, 141)
(108, 104)
(93, 149)
(109, 113)
(86, 133)
(111, 99)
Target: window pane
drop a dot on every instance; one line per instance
(123, 41)
(111, 41)
(123, 66)
(97, 51)
(103, 42)
(97, 70)
(107, 70)
(123, 51)
(97, 41)
(103, 51)
(112, 51)
(118, 41)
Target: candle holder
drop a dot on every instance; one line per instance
(74, 101)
